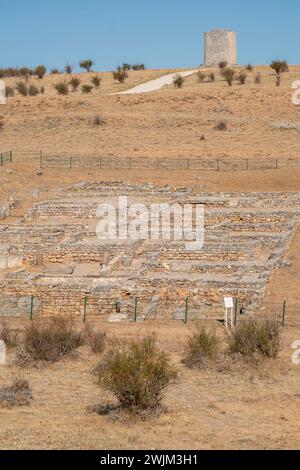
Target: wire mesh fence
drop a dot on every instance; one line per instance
(96, 161)
(6, 157)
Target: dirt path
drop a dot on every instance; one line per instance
(156, 84)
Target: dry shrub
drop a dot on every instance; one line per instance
(212, 77)
(257, 79)
(86, 64)
(33, 90)
(99, 120)
(74, 82)
(9, 91)
(86, 89)
(202, 348)
(9, 335)
(229, 75)
(137, 374)
(252, 338)
(221, 126)
(62, 88)
(242, 77)
(49, 341)
(96, 81)
(40, 71)
(201, 76)
(223, 64)
(95, 339)
(250, 68)
(280, 66)
(178, 81)
(22, 88)
(17, 394)
(120, 75)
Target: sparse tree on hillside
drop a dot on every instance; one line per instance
(86, 64)
(120, 75)
(178, 81)
(40, 71)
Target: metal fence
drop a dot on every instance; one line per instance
(161, 164)
(180, 310)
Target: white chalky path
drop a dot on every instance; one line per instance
(156, 84)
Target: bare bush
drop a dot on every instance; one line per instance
(49, 341)
(202, 348)
(33, 90)
(242, 78)
(95, 339)
(257, 79)
(120, 75)
(250, 68)
(62, 88)
(137, 374)
(178, 81)
(9, 335)
(17, 394)
(252, 338)
(74, 82)
(86, 89)
(229, 75)
(99, 120)
(68, 69)
(223, 64)
(96, 81)
(201, 76)
(221, 126)
(22, 88)
(212, 77)
(9, 91)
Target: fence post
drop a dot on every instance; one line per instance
(235, 310)
(284, 313)
(84, 309)
(31, 308)
(135, 309)
(1, 159)
(186, 310)
(10, 156)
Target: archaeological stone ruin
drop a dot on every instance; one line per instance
(53, 262)
(220, 46)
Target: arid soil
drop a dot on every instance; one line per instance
(240, 406)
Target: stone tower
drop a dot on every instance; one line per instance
(220, 45)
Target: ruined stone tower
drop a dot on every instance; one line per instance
(220, 45)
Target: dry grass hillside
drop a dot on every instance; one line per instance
(170, 123)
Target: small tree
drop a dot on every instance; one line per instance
(86, 64)
(40, 71)
(126, 66)
(280, 66)
(178, 81)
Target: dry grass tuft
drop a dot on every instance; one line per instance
(17, 394)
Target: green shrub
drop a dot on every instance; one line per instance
(138, 67)
(137, 374)
(86, 64)
(62, 88)
(202, 347)
(178, 81)
(252, 338)
(280, 66)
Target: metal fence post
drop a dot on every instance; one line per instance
(1, 159)
(135, 309)
(186, 310)
(284, 313)
(235, 311)
(84, 309)
(10, 156)
(31, 308)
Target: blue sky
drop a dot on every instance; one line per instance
(159, 33)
